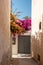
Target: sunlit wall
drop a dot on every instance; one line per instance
(37, 11)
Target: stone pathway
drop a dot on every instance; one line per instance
(24, 61)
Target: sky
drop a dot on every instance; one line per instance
(23, 6)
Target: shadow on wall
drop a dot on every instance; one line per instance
(6, 58)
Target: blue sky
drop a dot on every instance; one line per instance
(23, 6)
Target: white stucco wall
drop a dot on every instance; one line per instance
(15, 46)
(4, 27)
(37, 11)
(37, 16)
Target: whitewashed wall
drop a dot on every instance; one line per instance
(37, 11)
(37, 16)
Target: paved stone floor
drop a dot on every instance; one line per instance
(24, 61)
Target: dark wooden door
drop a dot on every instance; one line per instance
(24, 45)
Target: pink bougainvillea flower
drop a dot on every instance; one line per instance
(26, 24)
